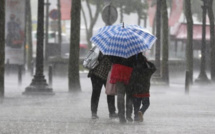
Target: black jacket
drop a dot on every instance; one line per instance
(140, 78)
(123, 61)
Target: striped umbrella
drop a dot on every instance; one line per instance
(123, 40)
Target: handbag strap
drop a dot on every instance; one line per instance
(93, 48)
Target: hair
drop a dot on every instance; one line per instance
(141, 60)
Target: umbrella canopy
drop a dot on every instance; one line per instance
(123, 41)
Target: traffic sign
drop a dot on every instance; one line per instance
(53, 14)
(109, 14)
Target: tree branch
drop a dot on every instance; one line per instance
(90, 10)
(93, 21)
(85, 19)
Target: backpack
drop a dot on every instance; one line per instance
(91, 60)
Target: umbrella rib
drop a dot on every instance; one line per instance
(133, 41)
(150, 38)
(116, 43)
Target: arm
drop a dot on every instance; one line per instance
(151, 66)
(100, 56)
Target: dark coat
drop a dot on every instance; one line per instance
(123, 61)
(140, 78)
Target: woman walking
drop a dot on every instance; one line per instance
(121, 72)
(98, 77)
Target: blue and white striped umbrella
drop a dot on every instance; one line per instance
(123, 40)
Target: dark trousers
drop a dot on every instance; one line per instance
(123, 91)
(97, 84)
(137, 105)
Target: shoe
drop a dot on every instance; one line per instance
(136, 119)
(113, 115)
(129, 119)
(140, 116)
(122, 120)
(94, 116)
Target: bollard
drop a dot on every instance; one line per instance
(20, 74)
(32, 67)
(7, 67)
(50, 75)
(187, 82)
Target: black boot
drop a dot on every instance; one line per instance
(129, 119)
(113, 115)
(95, 116)
(122, 120)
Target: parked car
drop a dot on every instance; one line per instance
(53, 45)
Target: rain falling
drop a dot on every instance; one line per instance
(60, 58)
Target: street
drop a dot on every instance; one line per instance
(171, 110)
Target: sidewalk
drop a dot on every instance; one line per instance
(171, 111)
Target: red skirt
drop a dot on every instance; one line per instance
(141, 95)
(120, 73)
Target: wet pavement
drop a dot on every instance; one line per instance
(171, 110)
